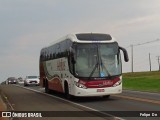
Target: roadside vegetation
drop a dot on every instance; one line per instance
(142, 81)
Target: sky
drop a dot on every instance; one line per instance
(26, 26)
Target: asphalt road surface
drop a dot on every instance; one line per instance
(128, 105)
(24, 100)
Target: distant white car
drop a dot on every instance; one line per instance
(31, 80)
(20, 80)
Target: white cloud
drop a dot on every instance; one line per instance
(144, 20)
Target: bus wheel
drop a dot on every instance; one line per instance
(106, 96)
(46, 87)
(67, 95)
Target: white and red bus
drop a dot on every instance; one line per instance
(83, 64)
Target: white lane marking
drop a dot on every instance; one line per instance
(105, 114)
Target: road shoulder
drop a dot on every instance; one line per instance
(2, 107)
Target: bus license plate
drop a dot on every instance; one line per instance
(100, 90)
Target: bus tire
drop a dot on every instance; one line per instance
(106, 96)
(67, 95)
(47, 90)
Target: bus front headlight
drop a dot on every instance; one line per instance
(80, 85)
(117, 83)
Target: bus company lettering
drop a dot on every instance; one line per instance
(107, 83)
(60, 65)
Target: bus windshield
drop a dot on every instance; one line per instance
(97, 60)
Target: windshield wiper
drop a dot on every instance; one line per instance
(99, 64)
(93, 70)
(102, 65)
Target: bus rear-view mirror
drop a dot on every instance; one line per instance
(126, 58)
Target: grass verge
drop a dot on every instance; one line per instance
(142, 81)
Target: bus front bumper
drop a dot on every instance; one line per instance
(89, 92)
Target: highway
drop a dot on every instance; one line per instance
(128, 105)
